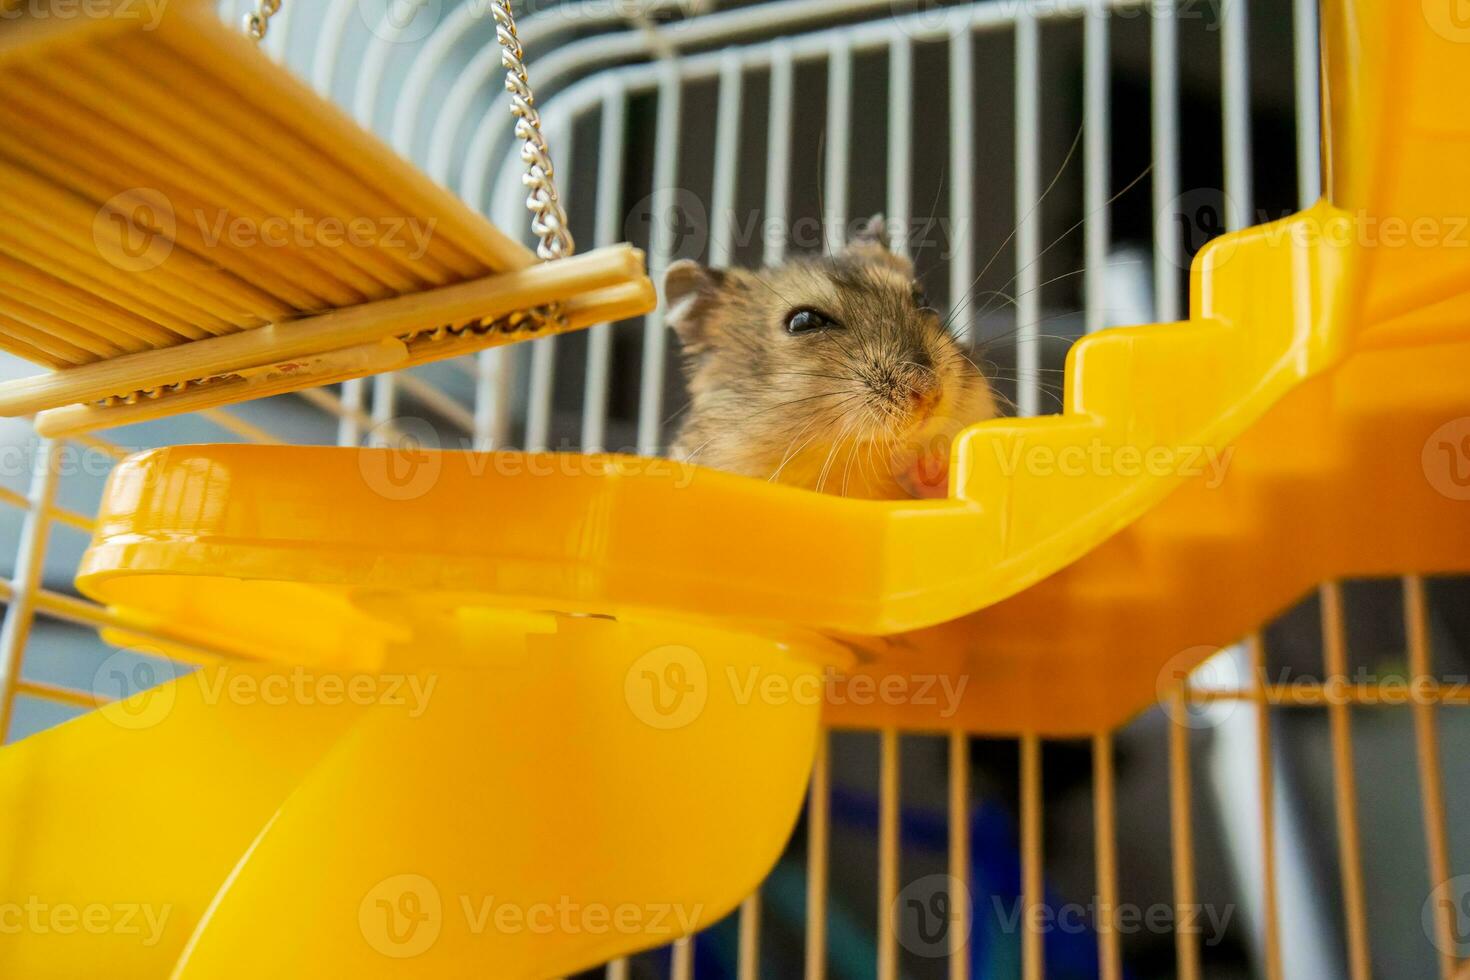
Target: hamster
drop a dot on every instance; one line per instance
(827, 373)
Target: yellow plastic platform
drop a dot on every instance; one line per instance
(1311, 420)
(185, 224)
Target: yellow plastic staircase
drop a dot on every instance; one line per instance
(627, 656)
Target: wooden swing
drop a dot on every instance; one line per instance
(184, 224)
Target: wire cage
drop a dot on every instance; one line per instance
(1289, 809)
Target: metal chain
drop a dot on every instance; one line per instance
(521, 324)
(258, 21)
(548, 218)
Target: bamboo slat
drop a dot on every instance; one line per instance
(462, 303)
(133, 155)
(136, 162)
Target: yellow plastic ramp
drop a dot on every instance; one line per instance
(527, 798)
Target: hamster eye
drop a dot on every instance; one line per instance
(807, 320)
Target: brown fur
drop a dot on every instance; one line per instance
(866, 409)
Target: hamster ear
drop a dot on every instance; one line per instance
(872, 242)
(687, 278)
(688, 289)
(873, 232)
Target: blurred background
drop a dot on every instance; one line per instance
(744, 132)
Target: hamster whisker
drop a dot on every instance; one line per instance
(1016, 330)
(958, 301)
(1054, 279)
(990, 295)
(831, 454)
(847, 470)
(831, 337)
(933, 211)
(819, 375)
(956, 354)
(693, 454)
(1078, 224)
(758, 277)
(1013, 297)
(793, 450)
(805, 398)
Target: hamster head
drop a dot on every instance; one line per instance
(829, 373)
